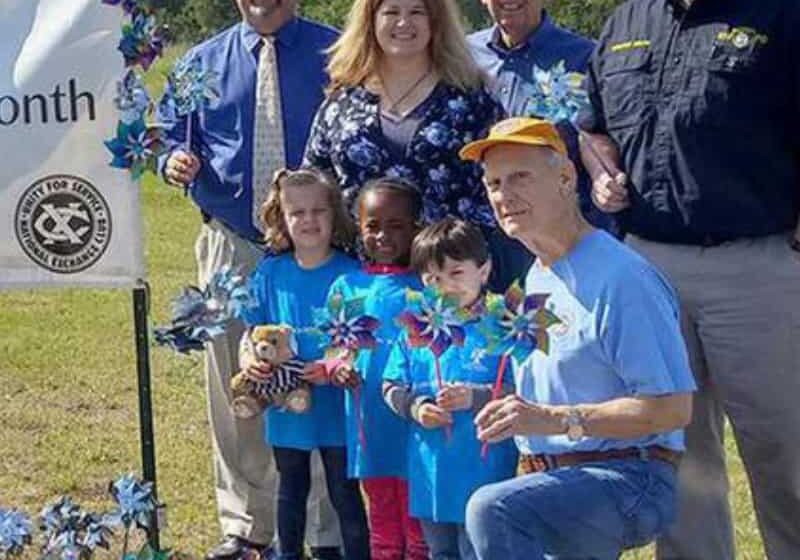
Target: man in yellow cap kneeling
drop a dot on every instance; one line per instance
(600, 405)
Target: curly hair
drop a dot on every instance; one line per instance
(276, 235)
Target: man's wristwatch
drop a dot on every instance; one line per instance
(574, 425)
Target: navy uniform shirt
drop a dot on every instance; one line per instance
(704, 104)
(510, 80)
(222, 133)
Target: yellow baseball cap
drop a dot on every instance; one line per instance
(518, 130)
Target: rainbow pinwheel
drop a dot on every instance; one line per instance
(132, 100)
(199, 315)
(514, 326)
(15, 532)
(436, 322)
(433, 321)
(142, 40)
(345, 325)
(190, 89)
(136, 147)
(348, 329)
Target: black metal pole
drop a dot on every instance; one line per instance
(140, 313)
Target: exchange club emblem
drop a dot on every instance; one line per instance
(63, 224)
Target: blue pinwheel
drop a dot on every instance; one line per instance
(73, 534)
(142, 40)
(347, 329)
(560, 96)
(15, 532)
(557, 95)
(190, 88)
(136, 147)
(135, 502)
(132, 100)
(199, 315)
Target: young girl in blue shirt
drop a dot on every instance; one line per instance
(445, 466)
(388, 210)
(306, 227)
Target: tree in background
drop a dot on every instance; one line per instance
(192, 20)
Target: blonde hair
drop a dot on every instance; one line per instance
(356, 54)
(276, 235)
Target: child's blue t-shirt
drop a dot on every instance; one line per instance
(286, 293)
(443, 472)
(385, 434)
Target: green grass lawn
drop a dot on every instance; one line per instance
(68, 396)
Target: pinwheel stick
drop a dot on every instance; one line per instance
(188, 132)
(448, 431)
(588, 141)
(498, 387)
(362, 436)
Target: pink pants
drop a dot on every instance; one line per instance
(393, 534)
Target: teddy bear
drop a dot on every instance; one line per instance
(284, 386)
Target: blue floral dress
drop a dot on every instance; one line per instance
(347, 140)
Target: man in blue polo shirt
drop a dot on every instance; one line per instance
(524, 36)
(271, 76)
(601, 403)
(701, 100)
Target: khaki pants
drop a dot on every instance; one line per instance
(244, 469)
(741, 319)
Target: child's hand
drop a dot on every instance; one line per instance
(259, 370)
(431, 416)
(455, 396)
(315, 373)
(345, 376)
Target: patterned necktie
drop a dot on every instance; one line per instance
(268, 151)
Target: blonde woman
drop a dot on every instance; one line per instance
(405, 96)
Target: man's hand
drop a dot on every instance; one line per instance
(432, 416)
(181, 168)
(514, 416)
(315, 373)
(609, 184)
(454, 396)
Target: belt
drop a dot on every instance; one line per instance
(540, 462)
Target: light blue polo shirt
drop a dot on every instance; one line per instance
(619, 336)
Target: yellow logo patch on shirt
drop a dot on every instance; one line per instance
(742, 37)
(630, 45)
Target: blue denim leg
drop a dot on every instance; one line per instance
(593, 511)
(294, 468)
(345, 495)
(447, 541)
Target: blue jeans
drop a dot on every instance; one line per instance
(447, 541)
(591, 511)
(294, 466)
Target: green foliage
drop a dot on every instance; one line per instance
(192, 20)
